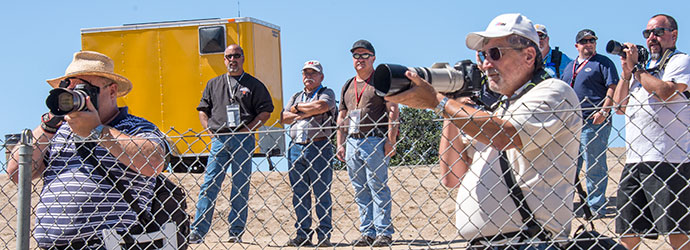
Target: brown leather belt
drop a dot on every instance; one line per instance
(314, 140)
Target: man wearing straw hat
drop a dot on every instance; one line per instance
(76, 202)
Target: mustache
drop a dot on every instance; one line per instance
(490, 71)
(308, 80)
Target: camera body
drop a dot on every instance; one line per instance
(62, 101)
(465, 78)
(616, 48)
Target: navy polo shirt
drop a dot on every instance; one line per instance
(591, 82)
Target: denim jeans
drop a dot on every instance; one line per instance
(226, 150)
(593, 144)
(310, 169)
(368, 170)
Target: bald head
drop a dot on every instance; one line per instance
(234, 60)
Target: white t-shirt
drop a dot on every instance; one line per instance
(658, 131)
(544, 167)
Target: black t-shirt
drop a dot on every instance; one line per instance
(250, 94)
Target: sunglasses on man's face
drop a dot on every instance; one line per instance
(542, 35)
(363, 55)
(494, 53)
(230, 56)
(586, 41)
(656, 31)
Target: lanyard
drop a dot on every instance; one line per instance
(575, 72)
(305, 98)
(232, 91)
(359, 97)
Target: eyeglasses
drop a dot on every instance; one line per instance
(229, 57)
(542, 35)
(656, 31)
(363, 55)
(310, 73)
(586, 41)
(494, 53)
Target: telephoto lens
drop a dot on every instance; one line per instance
(616, 48)
(390, 79)
(62, 101)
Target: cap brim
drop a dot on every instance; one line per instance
(314, 68)
(475, 40)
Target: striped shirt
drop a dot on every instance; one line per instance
(77, 202)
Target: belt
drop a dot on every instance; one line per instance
(314, 140)
(365, 135)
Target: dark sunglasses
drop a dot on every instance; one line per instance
(494, 53)
(542, 35)
(363, 55)
(586, 41)
(229, 57)
(656, 31)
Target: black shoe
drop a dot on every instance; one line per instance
(363, 241)
(299, 241)
(383, 241)
(195, 238)
(235, 238)
(325, 242)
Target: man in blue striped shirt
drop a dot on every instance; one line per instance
(77, 200)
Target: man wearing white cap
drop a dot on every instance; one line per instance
(76, 203)
(312, 115)
(532, 133)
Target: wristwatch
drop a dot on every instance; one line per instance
(441, 106)
(94, 135)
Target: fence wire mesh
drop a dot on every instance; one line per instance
(425, 213)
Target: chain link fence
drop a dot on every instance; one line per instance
(423, 209)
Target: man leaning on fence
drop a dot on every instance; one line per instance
(77, 201)
(232, 106)
(593, 77)
(312, 115)
(535, 124)
(366, 141)
(654, 194)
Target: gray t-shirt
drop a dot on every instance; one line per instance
(322, 121)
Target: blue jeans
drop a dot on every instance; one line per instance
(368, 170)
(226, 150)
(593, 144)
(310, 169)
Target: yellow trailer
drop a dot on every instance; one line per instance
(169, 64)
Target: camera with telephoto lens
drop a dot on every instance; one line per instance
(464, 77)
(62, 101)
(616, 48)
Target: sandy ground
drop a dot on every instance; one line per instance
(423, 210)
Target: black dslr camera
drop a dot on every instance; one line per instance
(616, 48)
(464, 78)
(62, 101)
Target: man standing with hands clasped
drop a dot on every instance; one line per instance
(593, 77)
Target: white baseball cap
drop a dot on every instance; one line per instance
(313, 64)
(501, 26)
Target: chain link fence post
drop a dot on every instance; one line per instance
(24, 190)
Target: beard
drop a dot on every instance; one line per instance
(233, 68)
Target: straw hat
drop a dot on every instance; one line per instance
(94, 64)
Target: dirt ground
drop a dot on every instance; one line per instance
(423, 210)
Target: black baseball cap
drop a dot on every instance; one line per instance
(363, 44)
(585, 33)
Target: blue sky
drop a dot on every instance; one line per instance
(39, 37)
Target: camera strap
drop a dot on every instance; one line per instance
(537, 77)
